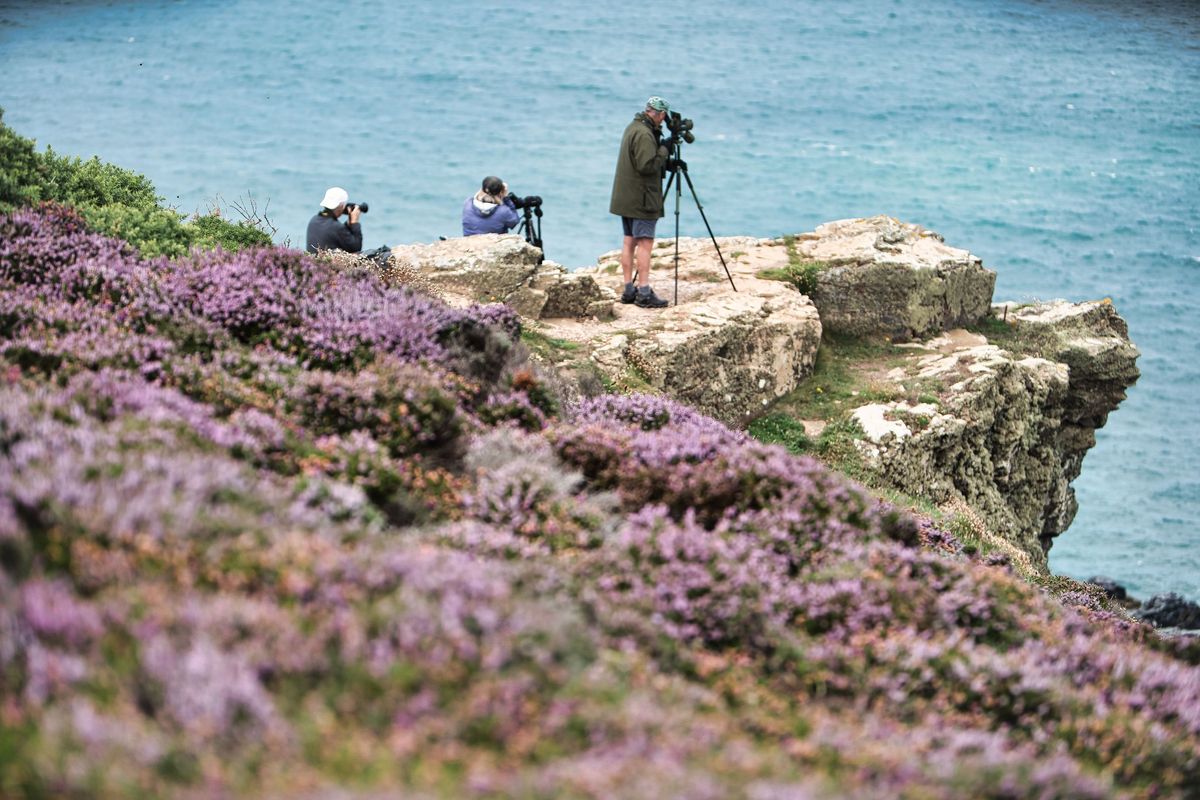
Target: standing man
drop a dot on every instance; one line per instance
(637, 198)
(324, 230)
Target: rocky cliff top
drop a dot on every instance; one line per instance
(997, 419)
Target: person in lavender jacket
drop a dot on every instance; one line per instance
(490, 210)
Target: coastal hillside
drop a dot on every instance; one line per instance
(274, 528)
(277, 527)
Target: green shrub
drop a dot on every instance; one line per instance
(113, 201)
(799, 272)
(20, 170)
(212, 231)
(837, 447)
(83, 184)
(154, 232)
(781, 429)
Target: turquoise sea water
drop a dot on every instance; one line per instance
(1060, 141)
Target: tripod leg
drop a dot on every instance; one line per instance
(678, 194)
(688, 178)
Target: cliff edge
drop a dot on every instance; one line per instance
(929, 389)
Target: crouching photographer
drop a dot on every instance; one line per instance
(493, 209)
(490, 210)
(324, 230)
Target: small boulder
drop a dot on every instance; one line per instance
(1111, 588)
(1169, 610)
(882, 276)
(482, 269)
(577, 295)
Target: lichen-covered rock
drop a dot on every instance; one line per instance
(1013, 422)
(577, 296)
(731, 356)
(883, 276)
(1093, 341)
(990, 441)
(485, 269)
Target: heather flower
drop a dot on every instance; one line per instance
(521, 486)
(109, 394)
(207, 691)
(53, 613)
(512, 407)
(648, 412)
(263, 524)
(403, 407)
(50, 249)
(693, 585)
(499, 316)
(250, 294)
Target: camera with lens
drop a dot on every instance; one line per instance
(680, 127)
(530, 200)
(360, 206)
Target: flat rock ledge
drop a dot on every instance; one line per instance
(504, 268)
(730, 353)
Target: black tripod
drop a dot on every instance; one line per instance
(677, 166)
(533, 231)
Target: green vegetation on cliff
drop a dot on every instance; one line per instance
(112, 200)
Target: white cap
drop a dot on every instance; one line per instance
(334, 197)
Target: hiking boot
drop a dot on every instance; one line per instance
(648, 299)
(629, 295)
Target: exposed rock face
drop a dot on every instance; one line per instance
(1094, 343)
(883, 276)
(504, 268)
(1009, 431)
(990, 440)
(729, 354)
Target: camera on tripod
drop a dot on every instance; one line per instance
(529, 200)
(681, 131)
(680, 128)
(531, 226)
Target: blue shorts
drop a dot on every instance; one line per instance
(638, 228)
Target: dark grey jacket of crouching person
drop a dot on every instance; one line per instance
(326, 233)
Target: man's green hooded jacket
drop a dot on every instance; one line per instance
(637, 185)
